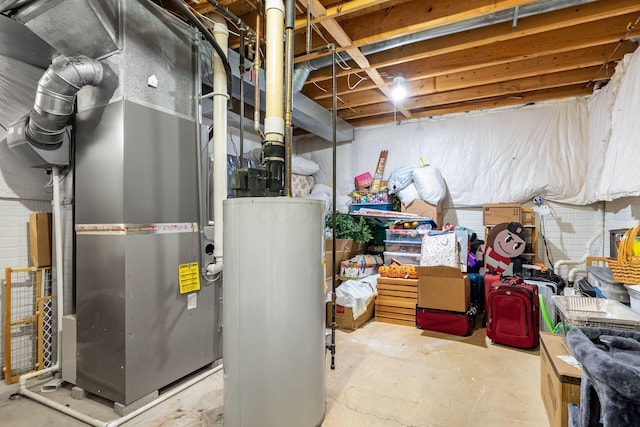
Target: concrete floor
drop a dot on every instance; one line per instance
(386, 376)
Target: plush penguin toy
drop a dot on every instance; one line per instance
(504, 242)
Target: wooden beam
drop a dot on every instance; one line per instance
(558, 20)
(527, 98)
(343, 39)
(573, 59)
(501, 89)
(344, 9)
(577, 37)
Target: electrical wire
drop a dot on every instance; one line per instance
(319, 87)
(631, 27)
(357, 83)
(544, 240)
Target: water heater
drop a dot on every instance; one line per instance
(273, 312)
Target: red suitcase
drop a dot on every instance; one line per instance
(513, 317)
(488, 281)
(449, 322)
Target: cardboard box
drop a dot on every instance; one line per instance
(443, 288)
(329, 269)
(40, 239)
(344, 316)
(559, 381)
(507, 212)
(424, 209)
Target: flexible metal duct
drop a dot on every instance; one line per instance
(56, 95)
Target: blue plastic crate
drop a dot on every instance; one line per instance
(380, 206)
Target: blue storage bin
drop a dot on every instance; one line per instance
(379, 206)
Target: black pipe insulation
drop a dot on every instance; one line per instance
(207, 35)
(228, 14)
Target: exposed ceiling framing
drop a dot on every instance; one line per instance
(455, 56)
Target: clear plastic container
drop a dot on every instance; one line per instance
(407, 235)
(599, 312)
(602, 278)
(401, 258)
(404, 246)
(634, 297)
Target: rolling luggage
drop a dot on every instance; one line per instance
(449, 322)
(513, 317)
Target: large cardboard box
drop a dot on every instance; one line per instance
(344, 316)
(559, 381)
(40, 239)
(345, 249)
(443, 288)
(426, 210)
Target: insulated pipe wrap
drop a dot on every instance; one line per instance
(56, 95)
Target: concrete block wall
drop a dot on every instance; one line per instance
(566, 229)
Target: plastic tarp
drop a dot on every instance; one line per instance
(575, 150)
(18, 83)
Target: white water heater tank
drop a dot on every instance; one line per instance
(273, 312)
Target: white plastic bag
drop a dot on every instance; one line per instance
(400, 179)
(430, 184)
(408, 194)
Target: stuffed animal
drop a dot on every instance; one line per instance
(504, 242)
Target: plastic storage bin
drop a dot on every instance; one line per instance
(599, 312)
(407, 235)
(634, 297)
(354, 207)
(602, 278)
(404, 246)
(401, 258)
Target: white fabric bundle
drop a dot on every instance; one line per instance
(302, 166)
(408, 194)
(430, 184)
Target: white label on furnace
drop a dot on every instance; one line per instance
(192, 300)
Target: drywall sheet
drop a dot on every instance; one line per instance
(576, 151)
(18, 84)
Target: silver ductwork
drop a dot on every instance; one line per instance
(56, 96)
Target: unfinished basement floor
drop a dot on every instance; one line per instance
(386, 375)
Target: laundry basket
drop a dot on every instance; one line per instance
(597, 312)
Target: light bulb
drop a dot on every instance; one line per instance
(398, 91)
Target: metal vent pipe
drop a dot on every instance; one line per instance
(56, 95)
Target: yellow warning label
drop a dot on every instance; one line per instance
(189, 277)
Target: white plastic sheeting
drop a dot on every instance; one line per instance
(18, 83)
(575, 151)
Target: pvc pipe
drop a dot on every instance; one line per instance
(57, 228)
(163, 397)
(94, 421)
(571, 278)
(590, 242)
(221, 35)
(274, 113)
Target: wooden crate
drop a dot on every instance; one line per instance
(396, 301)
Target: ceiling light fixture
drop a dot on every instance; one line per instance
(398, 89)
